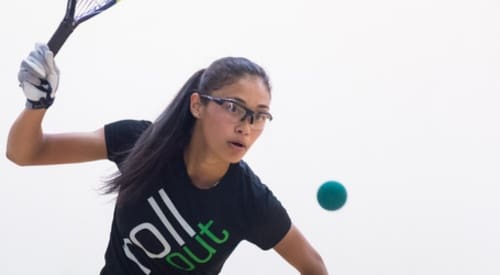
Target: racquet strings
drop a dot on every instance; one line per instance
(88, 8)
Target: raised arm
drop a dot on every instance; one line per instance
(27, 144)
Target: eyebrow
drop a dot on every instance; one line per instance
(239, 100)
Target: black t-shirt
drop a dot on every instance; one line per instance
(176, 228)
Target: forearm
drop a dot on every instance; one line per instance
(316, 268)
(25, 138)
(297, 251)
(321, 271)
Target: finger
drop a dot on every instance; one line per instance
(49, 60)
(46, 59)
(28, 76)
(42, 47)
(32, 92)
(35, 61)
(35, 66)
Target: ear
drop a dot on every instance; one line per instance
(195, 105)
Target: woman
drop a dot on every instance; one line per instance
(185, 197)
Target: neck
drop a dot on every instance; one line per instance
(204, 170)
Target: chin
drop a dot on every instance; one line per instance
(235, 154)
(234, 159)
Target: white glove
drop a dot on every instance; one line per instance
(39, 77)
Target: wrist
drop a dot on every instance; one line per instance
(43, 103)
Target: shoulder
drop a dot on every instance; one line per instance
(266, 218)
(127, 126)
(247, 175)
(244, 170)
(120, 136)
(254, 192)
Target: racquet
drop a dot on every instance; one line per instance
(77, 12)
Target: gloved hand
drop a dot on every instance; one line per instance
(39, 77)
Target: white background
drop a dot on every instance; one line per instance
(399, 100)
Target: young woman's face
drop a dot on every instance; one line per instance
(226, 134)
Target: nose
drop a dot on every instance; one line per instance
(248, 115)
(244, 127)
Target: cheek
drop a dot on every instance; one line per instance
(216, 128)
(255, 135)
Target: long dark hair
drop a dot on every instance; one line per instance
(170, 133)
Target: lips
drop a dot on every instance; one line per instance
(237, 144)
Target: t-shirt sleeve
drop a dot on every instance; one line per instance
(269, 219)
(121, 136)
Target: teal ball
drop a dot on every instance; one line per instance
(332, 195)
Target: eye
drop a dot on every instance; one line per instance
(234, 108)
(230, 106)
(262, 117)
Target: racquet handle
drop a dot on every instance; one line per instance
(59, 37)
